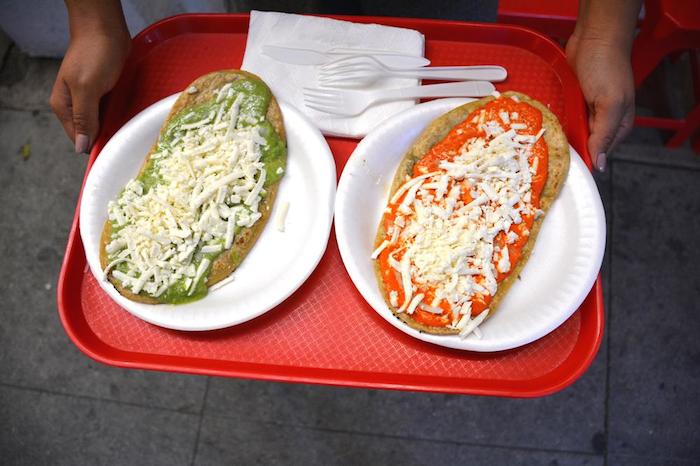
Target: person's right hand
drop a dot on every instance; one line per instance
(89, 70)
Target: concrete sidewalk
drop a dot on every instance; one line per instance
(637, 404)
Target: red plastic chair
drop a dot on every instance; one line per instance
(555, 18)
(669, 27)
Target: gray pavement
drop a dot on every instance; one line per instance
(637, 404)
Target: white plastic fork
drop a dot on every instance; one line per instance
(364, 70)
(350, 102)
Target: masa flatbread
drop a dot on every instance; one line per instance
(231, 258)
(558, 167)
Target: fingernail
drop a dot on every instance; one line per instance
(600, 162)
(81, 144)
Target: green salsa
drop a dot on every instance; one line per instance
(177, 293)
(254, 104)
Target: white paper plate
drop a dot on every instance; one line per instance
(278, 263)
(560, 273)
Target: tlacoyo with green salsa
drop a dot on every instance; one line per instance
(203, 194)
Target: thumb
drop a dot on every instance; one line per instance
(85, 118)
(605, 120)
(61, 103)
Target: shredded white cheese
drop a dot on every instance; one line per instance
(393, 298)
(414, 303)
(473, 324)
(282, 216)
(379, 249)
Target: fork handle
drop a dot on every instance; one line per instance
(460, 89)
(456, 73)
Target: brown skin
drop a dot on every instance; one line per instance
(599, 52)
(99, 46)
(558, 167)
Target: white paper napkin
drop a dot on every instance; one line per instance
(287, 81)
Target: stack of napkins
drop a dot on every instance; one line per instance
(287, 81)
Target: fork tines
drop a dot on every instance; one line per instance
(322, 100)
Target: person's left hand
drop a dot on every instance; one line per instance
(605, 74)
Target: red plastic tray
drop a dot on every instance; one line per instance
(325, 332)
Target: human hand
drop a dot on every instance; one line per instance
(605, 74)
(89, 70)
